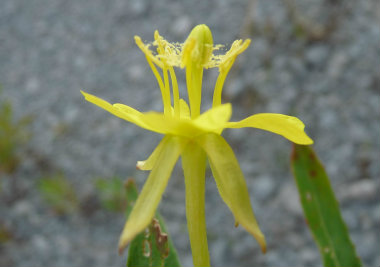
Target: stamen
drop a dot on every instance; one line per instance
(225, 65)
(195, 54)
(177, 111)
(217, 98)
(145, 49)
(167, 89)
(190, 93)
(162, 87)
(236, 49)
(160, 46)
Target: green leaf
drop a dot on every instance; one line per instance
(322, 210)
(152, 247)
(14, 134)
(58, 193)
(111, 193)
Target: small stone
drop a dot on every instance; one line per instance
(22, 208)
(289, 200)
(63, 244)
(309, 255)
(32, 85)
(336, 65)
(263, 187)
(136, 72)
(40, 243)
(138, 7)
(181, 26)
(365, 189)
(317, 55)
(328, 120)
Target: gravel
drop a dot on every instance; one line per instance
(317, 60)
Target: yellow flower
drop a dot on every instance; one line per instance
(195, 137)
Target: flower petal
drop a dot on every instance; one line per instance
(167, 124)
(148, 164)
(231, 184)
(289, 127)
(184, 109)
(212, 120)
(215, 118)
(149, 198)
(194, 167)
(127, 109)
(126, 113)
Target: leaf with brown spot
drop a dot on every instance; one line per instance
(321, 210)
(152, 247)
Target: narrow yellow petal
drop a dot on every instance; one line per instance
(214, 118)
(231, 184)
(161, 123)
(171, 125)
(154, 121)
(184, 109)
(289, 127)
(148, 164)
(126, 113)
(127, 109)
(194, 167)
(150, 196)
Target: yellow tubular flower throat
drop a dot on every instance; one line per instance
(195, 137)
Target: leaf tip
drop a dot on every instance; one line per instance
(123, 243)
(121, 248)
(262, 243)
(125, 237)
(130, 182)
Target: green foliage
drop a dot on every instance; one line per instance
(112, 194)
(153, 247)
(58, 193)
(12, 136)
(322, 210)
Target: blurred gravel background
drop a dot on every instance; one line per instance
(318, 60)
